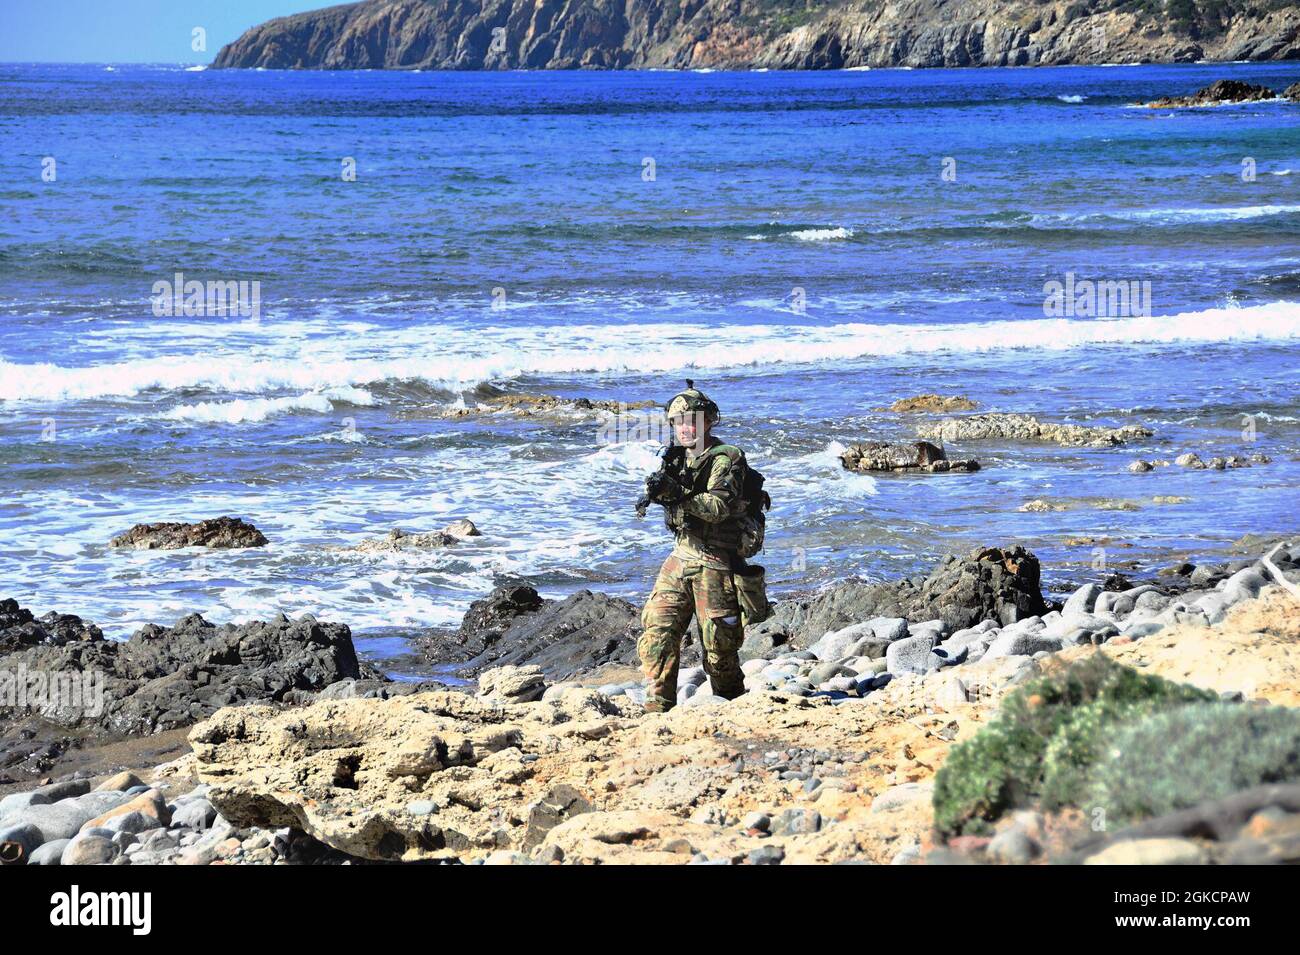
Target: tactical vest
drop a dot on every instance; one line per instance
(725, 535)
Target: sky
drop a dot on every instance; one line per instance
(130, 31)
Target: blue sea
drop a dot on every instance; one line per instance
(808, 247)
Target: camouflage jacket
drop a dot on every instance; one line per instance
(706, 522)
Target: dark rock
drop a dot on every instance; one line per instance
(217, 532)
(764, 639)
(488, 618)
(563, 802)
(989, 584)
(917, 456)
(19, 628)
(766, 855)
(1220, 91)
(514, 626)
(164, 677)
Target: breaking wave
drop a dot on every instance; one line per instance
(459, 360)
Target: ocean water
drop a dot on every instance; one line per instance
(807, 246)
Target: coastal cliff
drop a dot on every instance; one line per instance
(754, 34)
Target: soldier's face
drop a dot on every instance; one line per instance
(691, 429)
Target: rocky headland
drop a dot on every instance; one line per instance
(757, 34)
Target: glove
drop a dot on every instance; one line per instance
(666, 490)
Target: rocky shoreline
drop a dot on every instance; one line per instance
(856, 695)
(758, 34)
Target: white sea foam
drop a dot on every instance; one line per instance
(459, 358)
(1211, 214)
(1071, 98)
(243, 410)
(1172, 216)
(821, 235)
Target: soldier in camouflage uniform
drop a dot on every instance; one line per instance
(701, 505)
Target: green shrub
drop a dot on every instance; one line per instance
(1079, 743)
(1004, 765)
(1178, 758)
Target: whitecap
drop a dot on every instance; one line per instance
(821, 235)
(249, 410)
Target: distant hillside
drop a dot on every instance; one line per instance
(779, 34)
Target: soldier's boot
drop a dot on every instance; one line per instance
(722, 637)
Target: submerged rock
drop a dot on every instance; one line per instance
(492, 401)
(979, 427)
(400, 540)
(1220, 91)
(933, 403)
(216, 532)
(919, 456)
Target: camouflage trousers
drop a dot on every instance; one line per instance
(685, 589)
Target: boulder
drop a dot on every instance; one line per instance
(1001, 585)
(216, 532)
(64, 819)
(514, 626)
(149, 805)
(512, 684)
(1082, 601)
(918, 456)
(51, 853)
(16, 802)
(17, 843)
(90, 848)
(931, 403)
(1023, 644)
(121, 782)
(912, 655)
(1150, 852)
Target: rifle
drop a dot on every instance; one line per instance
(673, 457)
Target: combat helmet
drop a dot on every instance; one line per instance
(689, 401)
